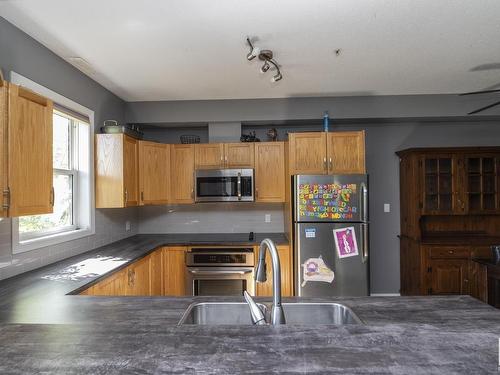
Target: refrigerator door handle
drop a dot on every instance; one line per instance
(364, 255)
(364, 202)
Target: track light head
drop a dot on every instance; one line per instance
(265, 67)
(277, 77)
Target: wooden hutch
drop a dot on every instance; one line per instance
(450, 214)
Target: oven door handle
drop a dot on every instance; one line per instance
(198, 271)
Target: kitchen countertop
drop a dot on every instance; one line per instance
(72, 334)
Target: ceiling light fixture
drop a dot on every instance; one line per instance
(265, 55)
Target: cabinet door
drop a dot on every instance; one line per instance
(482, 178)
(138, 282)
(131, 171)
(449, 276)
(4, 100)
(113, 285)
(270, 172)
(239, 155)
(346, 152)
(155, 273)
(154, 172)
(308, 153)
(30, 172)
(174, 274)
(109, 190)
(439, 187)
(266, 289)
(209, 156)
(182, 173)
(478, 281)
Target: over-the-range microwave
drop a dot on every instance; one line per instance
(224, 185)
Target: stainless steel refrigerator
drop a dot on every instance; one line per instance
(330, 215)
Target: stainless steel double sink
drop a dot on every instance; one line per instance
(238, 313)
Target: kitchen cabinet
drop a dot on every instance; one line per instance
(239, 155)
(449, 276)
(266, 289)
(209, 155)
(138, 278)
(174, 270)
(182, 161)
(327, 153)
(270, 172)
(26, 156)
(116, 171)
(154, 173)
(346, 152)
(478, 281)
(156, 273)
(113, 285)
(224, 155)
(482, 180)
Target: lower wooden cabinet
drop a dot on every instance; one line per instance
(449, 276)
(266, 289)
(174, 271)
(478, 281)
(138, 278)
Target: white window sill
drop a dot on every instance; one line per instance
(49, 240)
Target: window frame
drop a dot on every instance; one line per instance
(83, 175)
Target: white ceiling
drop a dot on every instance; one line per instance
(146, 50)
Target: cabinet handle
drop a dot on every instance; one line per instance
(324, 164)
(466, 280)
(52, 196)
(331, 165)
(256, 192)
(192, 193)
(126, 196)
(450, 252)
(142, 196)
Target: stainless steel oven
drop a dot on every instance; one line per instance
(224, 185)
(219, 271)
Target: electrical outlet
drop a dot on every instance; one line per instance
(387, 207)
(267, 218)
(127, 226)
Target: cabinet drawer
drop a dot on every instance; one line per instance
(449, 252)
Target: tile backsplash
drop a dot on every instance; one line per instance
(110, 227)
(212, 218)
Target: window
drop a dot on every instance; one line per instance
(74, 214)
(65, 161)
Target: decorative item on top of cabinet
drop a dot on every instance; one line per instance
(266, 289)
(327, 153)
(116, 171)
(182, 173)
(154, 173)
(26, 156)
(270, 172)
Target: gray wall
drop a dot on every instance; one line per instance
(25, 56)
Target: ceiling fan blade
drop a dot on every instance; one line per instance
(483, 108)
(479, 92)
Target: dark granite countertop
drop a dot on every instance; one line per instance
(42, 330)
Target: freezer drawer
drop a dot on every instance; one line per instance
(339, 198)
(351, 272)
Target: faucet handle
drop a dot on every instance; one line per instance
(258, 317)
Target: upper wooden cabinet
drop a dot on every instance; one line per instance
(270, 171)
(239, 155)
(308, 153)
(26, 156)
(182, 173)
(224, 155)
(154, 173)
(327, 153)
(346, 152)
(116, 171)
(209, 155)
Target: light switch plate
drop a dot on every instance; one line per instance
(387, 207)
(127, 225)
(267, 218)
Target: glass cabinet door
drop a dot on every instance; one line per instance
(482, 183)
(438, 184)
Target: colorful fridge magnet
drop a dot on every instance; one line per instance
(315, 269)
(345, 242)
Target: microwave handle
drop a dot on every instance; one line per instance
(239, 186)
